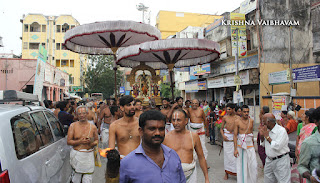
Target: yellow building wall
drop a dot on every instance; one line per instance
(170, 22)
(33, 37)
(303, 88)
(51, 37)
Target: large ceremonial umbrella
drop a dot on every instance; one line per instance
(170, 53)
(104, 38)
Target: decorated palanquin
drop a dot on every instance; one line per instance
(144, 83)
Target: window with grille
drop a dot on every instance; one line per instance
(58, 28)
(44, 28)
(34, 46)
(26, 27)
(25, 45)
(35, 27)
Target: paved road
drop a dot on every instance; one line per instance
(216, 172)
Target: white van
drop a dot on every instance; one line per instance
(33, 146)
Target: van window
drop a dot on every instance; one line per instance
(55, 125)
(24, 132)
(43, 128)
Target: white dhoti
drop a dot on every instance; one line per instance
(82, 162)
(246, 162)
(230, 165)
(91, 121)
(190, 172)
(169, 127)
(199, 129)
(104, 135)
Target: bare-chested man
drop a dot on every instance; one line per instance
(244, 149)
(139, 111)
(125, 131)
(116, 113)
(187, 145)
(83, 136)
(197, 119)
(227, 127)
(165, 109)
(104, 117)
(91, 115)
(104, 120)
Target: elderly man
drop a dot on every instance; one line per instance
(275, 139)
(83, 136)
(152, 161)
(226, 130)
(197, 120)
(186, 144)
(310, 152)
(244, 149)
(124, 131)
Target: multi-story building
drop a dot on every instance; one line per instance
(170, 22)
(49, 31)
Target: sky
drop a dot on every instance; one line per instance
(11, 11)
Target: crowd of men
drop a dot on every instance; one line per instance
(163, 144)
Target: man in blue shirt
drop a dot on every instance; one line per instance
(152, 161)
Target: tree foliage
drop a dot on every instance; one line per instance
(165, 91)
(99, 77)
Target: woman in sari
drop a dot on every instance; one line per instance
(308, 129)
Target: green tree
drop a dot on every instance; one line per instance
(165, 91)
(99, 77)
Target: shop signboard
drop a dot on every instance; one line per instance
(238, 26)
(276, 78)
(76, 89)
(247, 6)
(305, 74)
(202, 85)
(182, 69)
(215, 82)
(229, 67)
(191, 86)
(228, 80)
(215, 24)
(200, 69)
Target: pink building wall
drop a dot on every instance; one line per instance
(20, 71)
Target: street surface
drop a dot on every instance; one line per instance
(216, 172)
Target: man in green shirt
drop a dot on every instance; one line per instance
(310, 151)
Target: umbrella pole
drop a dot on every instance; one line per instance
(114, 50)
(170, 66)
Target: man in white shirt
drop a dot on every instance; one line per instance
(275, 139)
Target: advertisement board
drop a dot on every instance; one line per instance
(238, 25)
(40, 69)
(122, 90)
(76, 89)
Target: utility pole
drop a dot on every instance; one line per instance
(290, 61)
(143, 8)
